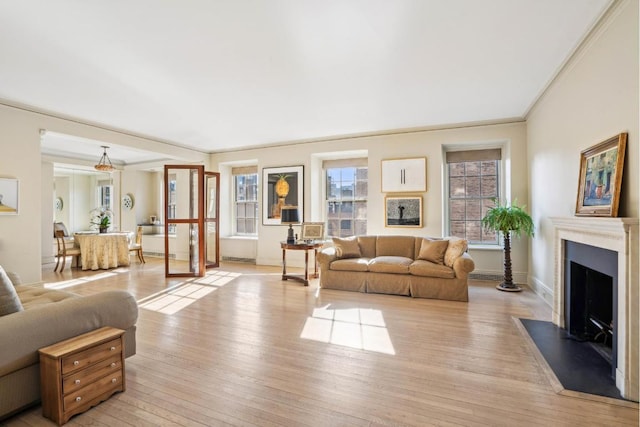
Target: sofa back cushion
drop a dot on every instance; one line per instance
(367, 246)
(346, 248)
(433, 250)
(456, 248)
(402, 246)
(9, 301)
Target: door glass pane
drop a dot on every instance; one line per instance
(183, 249)
(212, 256)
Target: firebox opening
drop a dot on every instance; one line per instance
(591, 314)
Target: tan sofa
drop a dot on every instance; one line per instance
(50, 316)
(401, 265)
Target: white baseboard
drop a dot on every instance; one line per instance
(544, 291)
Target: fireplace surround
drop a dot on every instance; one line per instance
(619, 235)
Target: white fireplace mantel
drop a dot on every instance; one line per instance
(619, 235)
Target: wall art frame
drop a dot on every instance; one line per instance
(403, 212)
(600, 179)
(9, 196)
(275, 194)
(312, 231)
(404, 175)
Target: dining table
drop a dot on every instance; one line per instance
(102, 251)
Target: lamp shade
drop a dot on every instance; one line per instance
(289, 215)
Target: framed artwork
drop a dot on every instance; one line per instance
(9, 196)
(403, 212)
(312, 231)
(402, 175)
(601, 178)
(281, 186)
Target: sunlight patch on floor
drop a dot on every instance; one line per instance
(79, 281)
(174, 299)
(361, 328)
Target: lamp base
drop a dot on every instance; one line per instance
(290, 239)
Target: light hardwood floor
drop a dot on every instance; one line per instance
(235, 348)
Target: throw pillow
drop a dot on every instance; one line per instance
(456, 248)
(9, 301)
(347, 248)
(433, 250)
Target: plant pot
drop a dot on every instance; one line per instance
(103, 229)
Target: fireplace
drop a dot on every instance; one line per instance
(591, 306)
(596, 277)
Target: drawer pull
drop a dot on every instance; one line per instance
(113, 364)
(76, 363)
(113, 380)
(76, 382)
(112, 349)
(78, 399)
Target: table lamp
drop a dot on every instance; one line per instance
(289, 215)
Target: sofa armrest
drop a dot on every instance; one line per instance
(24, 332)
(463, 265)
(326, 256)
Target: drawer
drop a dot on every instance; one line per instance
(87, 357)
(79, 379)
(86, 394)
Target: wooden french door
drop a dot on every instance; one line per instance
(191, 228)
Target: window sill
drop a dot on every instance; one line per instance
(240, 237)
(486, 247)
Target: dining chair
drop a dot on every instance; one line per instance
(64, 252)
(136, 245)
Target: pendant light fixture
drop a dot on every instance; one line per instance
(104, 164)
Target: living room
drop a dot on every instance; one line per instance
(593, 97)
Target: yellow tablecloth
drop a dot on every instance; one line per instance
(103, 251)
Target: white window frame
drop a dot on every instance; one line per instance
(239, 171)
(338, 164)
(504, 177)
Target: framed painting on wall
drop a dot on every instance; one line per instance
(403, 212)
(9, 196)
(282, 186)
(404, 175)
(601, 178)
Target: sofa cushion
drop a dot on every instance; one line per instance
(367, 246)
(390, 264)
(456, 248)
(402, 246)
(36, 296)
(350, 264)
(347, 248)
(430, 269)
(9, 301)
(433, 250)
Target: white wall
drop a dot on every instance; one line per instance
(595, 97)
(23, 236)
(400, 145)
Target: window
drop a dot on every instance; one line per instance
(245, 198)
(346, 197)
(105, 194)
(474, 183)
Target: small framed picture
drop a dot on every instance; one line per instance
(601, 178)
(312, 231)
(403, 212)
(9, 192)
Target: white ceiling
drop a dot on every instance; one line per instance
(219, 75)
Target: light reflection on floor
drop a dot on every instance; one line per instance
(361, 328)
(174, 299)
(79, 281)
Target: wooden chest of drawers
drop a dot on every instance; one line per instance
(81, 372)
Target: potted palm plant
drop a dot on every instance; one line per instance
(507, 220)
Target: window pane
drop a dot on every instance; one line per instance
(472, 188)
(246, 193)
(347, 190)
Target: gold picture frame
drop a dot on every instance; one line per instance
(312, 231)
(600, 178)
(403, 212)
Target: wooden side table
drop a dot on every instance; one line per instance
(78, 373)
(302, 246)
